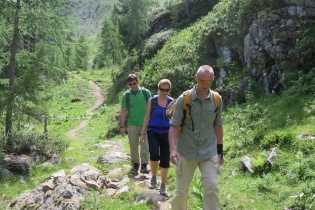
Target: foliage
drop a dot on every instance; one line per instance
(299, 58)
(111, 50)
(304, 85)
(281, 139)
(261, 165)
(196, 10)
(176, 61)
(234, 71)
(259, 124)
(155, 43)
(43, 34)
(81, 53)
(304, 199)
(133, 22)
(182, 54)
(250, 124)
(197, 192)
(265, 183)
(27, 142)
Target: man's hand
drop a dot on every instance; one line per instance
(142, 138)
(221, 158)
(174, 157)
(123, 131)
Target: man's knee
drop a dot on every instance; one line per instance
(210, 185)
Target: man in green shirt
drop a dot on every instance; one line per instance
(133, 110)
(199, 143)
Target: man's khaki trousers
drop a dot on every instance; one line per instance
(209, 173)
(134, 139)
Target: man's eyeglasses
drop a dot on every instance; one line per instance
(131, 84)
(164, 90)
(208, 82)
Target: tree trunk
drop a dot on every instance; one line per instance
(45, 126)
(14, 46)
(187, 7)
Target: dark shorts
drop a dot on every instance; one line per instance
(159, 148)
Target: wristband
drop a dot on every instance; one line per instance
(122, 126)
(220, 149)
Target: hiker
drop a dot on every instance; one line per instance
(156, 126)
(133, 110)
(198, 143)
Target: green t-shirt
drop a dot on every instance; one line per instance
(137, 106)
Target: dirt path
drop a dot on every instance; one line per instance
(96, 91)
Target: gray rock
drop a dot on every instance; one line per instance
(5, 172)
(112, 157)
(272, 156)
(306, 3)
(122, 190)
(18, 163)
(269, 40)
(246, 165)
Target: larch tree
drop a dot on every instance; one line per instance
(133, 20)
(111, 50)
(33, 46)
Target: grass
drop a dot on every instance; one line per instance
(269, 116)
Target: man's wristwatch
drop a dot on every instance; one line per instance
(122, 126)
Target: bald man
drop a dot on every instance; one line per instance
(199, 143)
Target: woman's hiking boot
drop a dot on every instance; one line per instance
(163, 190)
(153, 183)
(134, 169)
(144, 169)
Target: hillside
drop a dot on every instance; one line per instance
(90, 15)
(263, 56)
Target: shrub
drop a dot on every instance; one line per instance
(250, 124)
(261, 166)
(307, 146)
(156, 42)
(282, 139)
(305, 198)
(23, 143)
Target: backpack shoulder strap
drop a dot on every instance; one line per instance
(186, 101)
(127, 105)
(144, 91)
(217, 99)
(153, 103)
(186, 106)
(169, 99)
(127, 99)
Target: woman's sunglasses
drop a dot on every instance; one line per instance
(164, 90)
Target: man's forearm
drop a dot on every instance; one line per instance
(172, 136)
(218, 130)
(122, 117)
